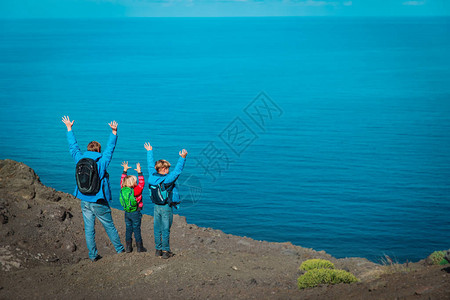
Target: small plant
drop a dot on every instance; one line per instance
(315, 277)
(312, 264)
(437, 258)
(393, 266)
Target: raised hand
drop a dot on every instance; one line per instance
(183, 153)
(138, 168)
(68, 123)
(148, 147)
(125, 166)
(113, 126)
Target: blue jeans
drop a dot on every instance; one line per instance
(163, 217)
(133, 224)
(102, 211)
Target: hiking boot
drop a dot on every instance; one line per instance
(167, 254)
(96, 259)
(158, 253)
(129, 247)
(140, 247)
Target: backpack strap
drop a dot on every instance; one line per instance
(162, 185)
(129, 196)
(169, 186)
(104, 175)
(123, 198)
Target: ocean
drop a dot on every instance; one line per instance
(330, 133)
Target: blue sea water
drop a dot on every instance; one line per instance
(345, 150)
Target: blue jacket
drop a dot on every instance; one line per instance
(156, 178)
(103, 162)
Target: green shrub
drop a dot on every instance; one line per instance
(316, 264)
(315, 277)
(437, 258)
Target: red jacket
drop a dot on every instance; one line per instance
(137, 189)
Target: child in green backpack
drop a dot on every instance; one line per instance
(131, 200)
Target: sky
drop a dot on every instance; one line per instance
(219, 8)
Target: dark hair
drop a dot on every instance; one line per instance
(94, 146)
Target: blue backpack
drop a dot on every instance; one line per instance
(161, 193)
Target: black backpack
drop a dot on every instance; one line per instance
(86, 174)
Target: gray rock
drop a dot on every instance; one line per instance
(20, 182)
(289, 252)
(69, 246)
(23, 205)
(16, 174)
(56, 213)
(44, 193)
(22, 244)
(25, 194)
(17, 180)
(244, 242)
(209, 241)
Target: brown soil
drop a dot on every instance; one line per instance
(43, 255)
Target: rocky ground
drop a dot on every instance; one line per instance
(43, 255)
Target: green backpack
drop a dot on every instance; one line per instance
(127, 199)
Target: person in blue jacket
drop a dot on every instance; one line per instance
(163, 214)
(96, 206)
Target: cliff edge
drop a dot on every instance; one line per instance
(43, 255)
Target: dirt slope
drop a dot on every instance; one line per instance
(43, 255)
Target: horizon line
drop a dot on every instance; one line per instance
(213, 17)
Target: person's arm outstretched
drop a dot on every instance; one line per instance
(68, 123)
(150, 159)
(140, 187)
(108, 153)
(124, 173)
(172, 176)
(74, 149)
